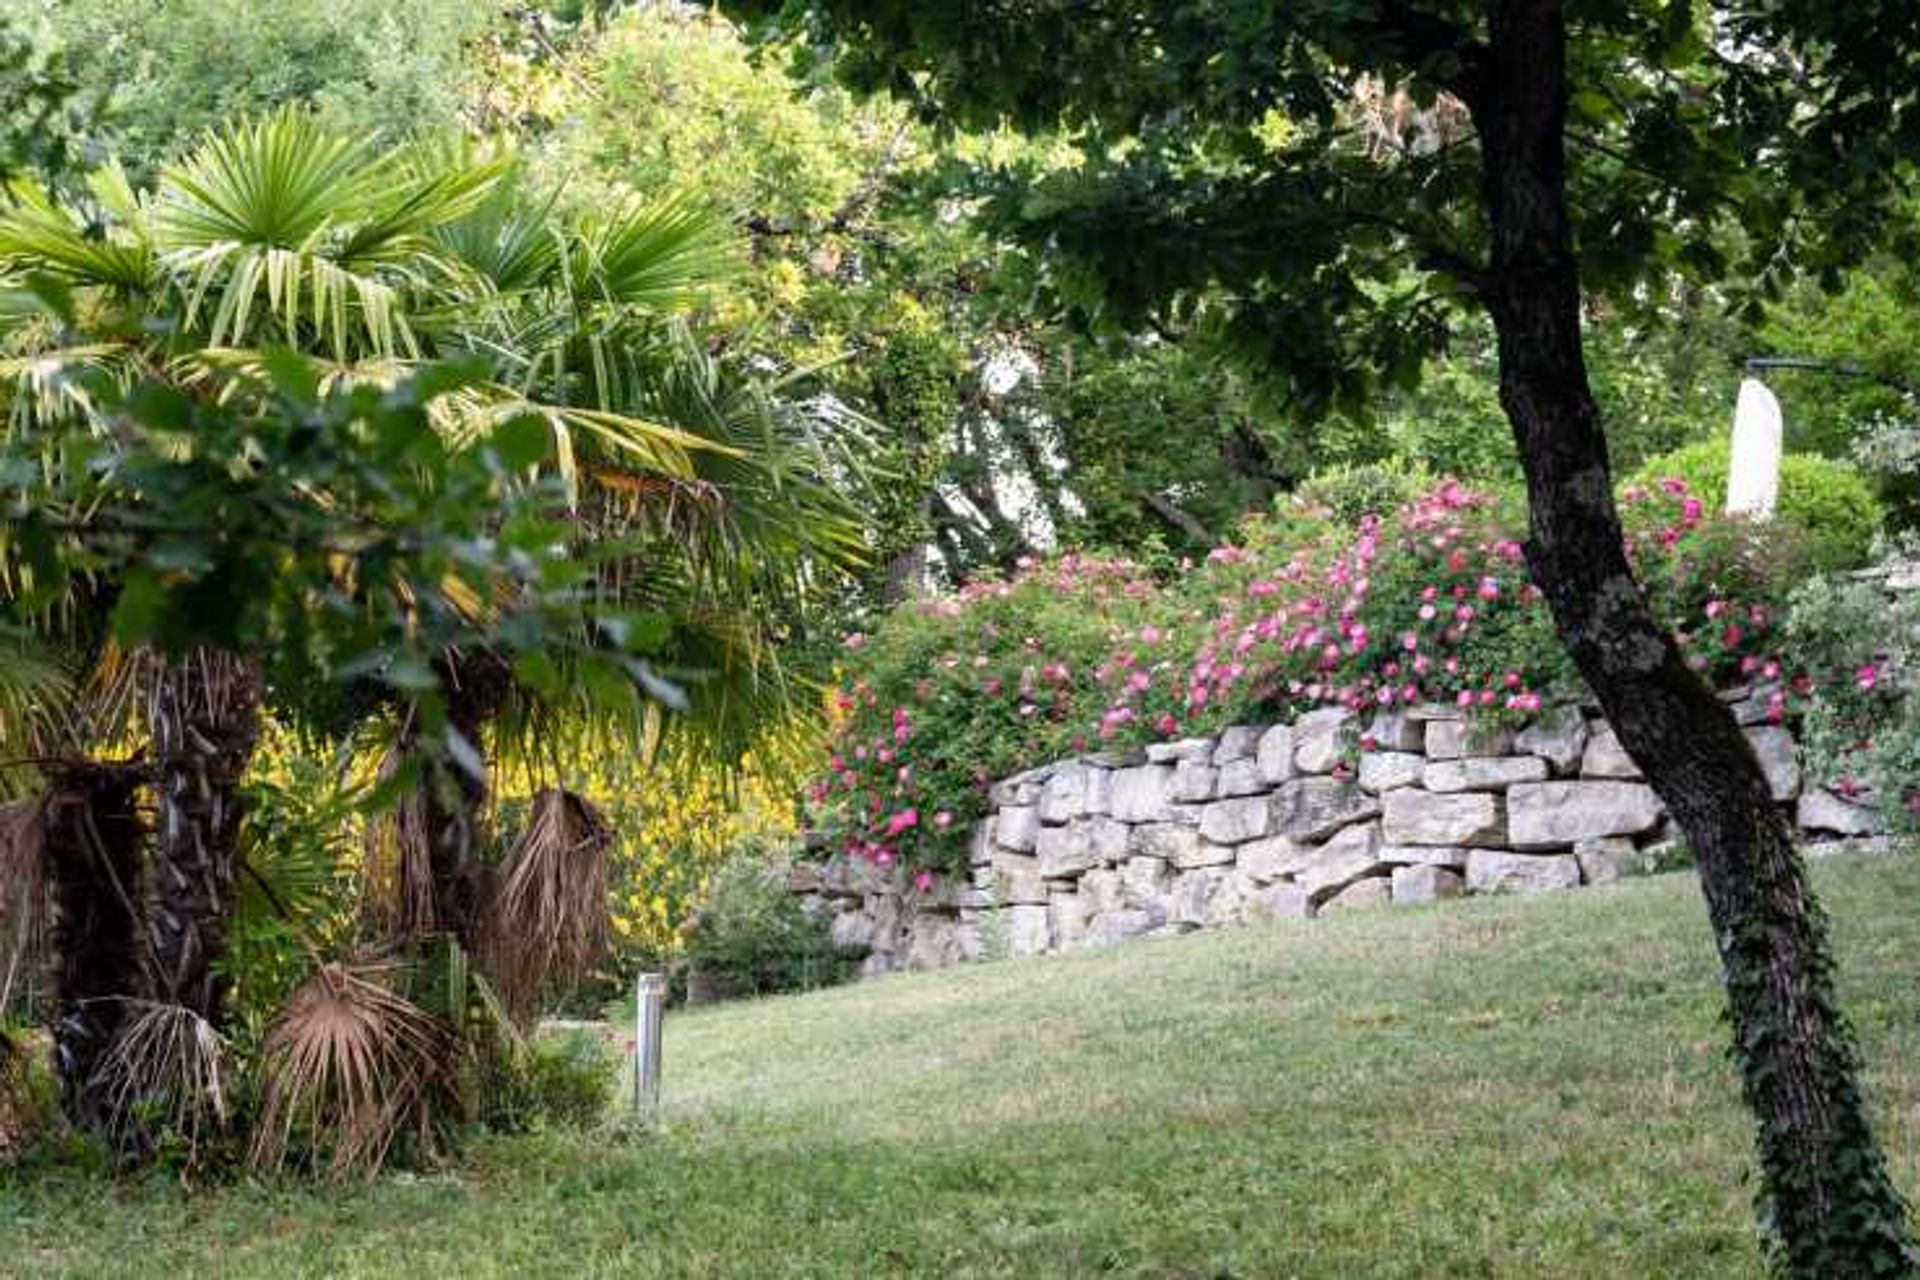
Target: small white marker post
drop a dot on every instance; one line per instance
(649, 1011)
(1753, 471)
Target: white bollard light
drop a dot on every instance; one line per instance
(649, 1013)
(1753, 472)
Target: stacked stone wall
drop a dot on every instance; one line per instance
(1333, 812)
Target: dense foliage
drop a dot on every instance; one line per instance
(1427, 600)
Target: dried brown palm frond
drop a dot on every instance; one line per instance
(348, 1068)
(164, 1073)
(396, 873)
(23, 892)
(546, 920)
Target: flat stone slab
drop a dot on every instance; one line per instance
(1482, 773)
(1497, 871)
(1385, 770)
(1314, 808)
(1470, 818)
(1418, 884)
(1546, 815)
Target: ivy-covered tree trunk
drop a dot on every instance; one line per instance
(204, 720)
(1826, 1190)
(91, 843)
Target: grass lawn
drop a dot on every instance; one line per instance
(1515, 1087)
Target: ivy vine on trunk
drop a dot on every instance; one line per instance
(1826, 1191)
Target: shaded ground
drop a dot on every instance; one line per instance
(1512, 1087)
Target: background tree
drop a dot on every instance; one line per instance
(1546, 151)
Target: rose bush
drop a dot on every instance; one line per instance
(1427, 602)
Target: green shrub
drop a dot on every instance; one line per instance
(29, 1096)
(752, 936)
(1830, 503)
(562, 1081)
(1860, 655)
(1368, 488)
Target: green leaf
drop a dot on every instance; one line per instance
(523, 442)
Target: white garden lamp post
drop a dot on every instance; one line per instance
(1753, 473)
(649, 1009)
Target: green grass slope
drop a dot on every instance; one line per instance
(1515, 1087)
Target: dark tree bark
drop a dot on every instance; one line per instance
(92, 836)
(204, 720)
(1826, 1192)
(454, 799)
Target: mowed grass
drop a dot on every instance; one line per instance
(1514, 1087)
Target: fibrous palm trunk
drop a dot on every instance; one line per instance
(204, 719)
(92, 836)
(454, 798)
(1828, 1196)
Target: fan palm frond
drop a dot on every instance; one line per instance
(166, 1073)
(349, 1068)
(36, 235)
(661, 257)
(547, 916)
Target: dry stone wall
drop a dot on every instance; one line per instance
(1334, 812)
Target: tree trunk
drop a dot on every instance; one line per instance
(204, 720)
(92, 848)
(454, 798)
(1826, 1193)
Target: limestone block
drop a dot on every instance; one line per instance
(1017, 827)
(1455, 739)
(1322, 738)
(1192, 894)
(1558, 736)
(1184, 749)
(1166, 840)
(1238, 820)
(1426, 883)
(1141, 794)
(1482, 773)
(1067, 918)
(1612, 858)
(1425, 855)
(1272, 857)
(1497, 871)
(1104, 889)
(1779, 759)
(1029, 929)
(1542, 815)
(1193, 781)
(1351, 855)
(1385, 770)
(1605, 757)
(1397, 731)
(1237, 743)
(1374, 891)
(1314, 808)
(1142, 880)
(1274, 756)
(1286, 901)
(1239, 778)
(1069, 850)
(1064, 797)
(1018, 880)
(1822, 810)
(1471, 818)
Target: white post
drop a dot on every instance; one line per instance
(1753, 472)
(649, 1011)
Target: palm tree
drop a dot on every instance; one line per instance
(279, 233)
